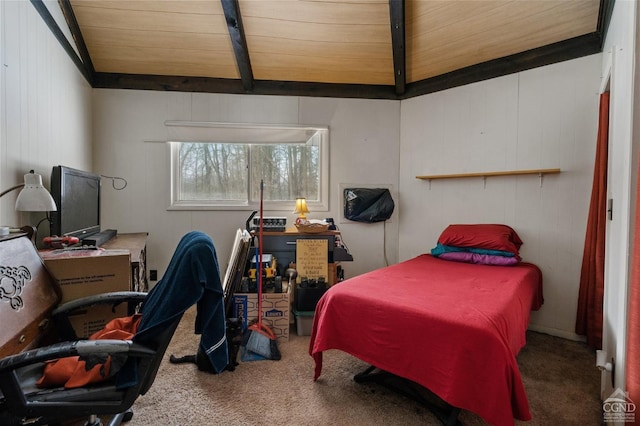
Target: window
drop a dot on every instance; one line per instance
(218, 166)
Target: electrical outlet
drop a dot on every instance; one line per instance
(153, 275)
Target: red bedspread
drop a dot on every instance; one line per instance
(455, 328)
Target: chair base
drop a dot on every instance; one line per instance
(121, 418)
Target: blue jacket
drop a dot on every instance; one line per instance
(193, 276)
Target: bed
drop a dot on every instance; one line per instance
(453, 327)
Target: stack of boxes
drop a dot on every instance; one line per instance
(315, 257)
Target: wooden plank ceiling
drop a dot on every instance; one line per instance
(391, 49)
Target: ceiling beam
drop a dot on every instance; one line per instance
(396, 15)
(574, 48)
(44, 13)
(330, 90)
(234, 86)
(239, 41)
(604, 17)
(72, 23)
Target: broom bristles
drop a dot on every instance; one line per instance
(262, 341)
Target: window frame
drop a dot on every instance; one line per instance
(213, 132)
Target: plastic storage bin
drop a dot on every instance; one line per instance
(306, 298)
(304, 322)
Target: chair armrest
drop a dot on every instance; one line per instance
(99, 299)
(84, 348)
(61, 314)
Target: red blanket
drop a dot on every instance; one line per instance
(455, 328)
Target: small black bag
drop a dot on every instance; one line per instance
(368, 204)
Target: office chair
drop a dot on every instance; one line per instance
(191, 277)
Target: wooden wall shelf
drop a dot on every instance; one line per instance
(538, 172)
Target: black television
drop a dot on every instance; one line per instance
(77, 197)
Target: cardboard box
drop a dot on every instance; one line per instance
(83, 273)
(87, 322)
(275, 311)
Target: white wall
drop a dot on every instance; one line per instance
(364, 149)
(618, 61)
(45, 108)
(541, 118)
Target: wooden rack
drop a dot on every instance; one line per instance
(484, 175)
(488, 174)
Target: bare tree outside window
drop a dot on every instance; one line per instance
(289, 171)
(231, 172)
(213, 171)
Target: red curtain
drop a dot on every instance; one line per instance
(591, 294)
(633, 322)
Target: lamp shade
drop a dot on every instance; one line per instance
(301, 207)
(34, 197)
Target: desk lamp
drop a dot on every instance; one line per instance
(33, 197)
(301, 208)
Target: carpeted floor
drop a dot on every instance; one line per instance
(560, 378)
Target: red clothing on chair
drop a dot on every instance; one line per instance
(71, 371)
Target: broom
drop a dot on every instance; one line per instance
(259, 338)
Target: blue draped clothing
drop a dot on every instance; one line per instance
(193, 276)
